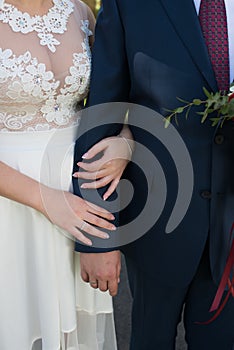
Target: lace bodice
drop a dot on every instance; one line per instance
(43, 75)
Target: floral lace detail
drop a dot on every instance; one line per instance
(55, 21)
(30, 97)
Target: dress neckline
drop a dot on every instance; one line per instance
(54, 22)
(6, 3)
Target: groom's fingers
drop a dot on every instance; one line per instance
(103, 285)
(113, 287)
(93, 282)
(84, 276)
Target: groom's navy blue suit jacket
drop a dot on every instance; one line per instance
(150, 53)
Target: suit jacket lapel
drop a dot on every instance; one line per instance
(183, 15)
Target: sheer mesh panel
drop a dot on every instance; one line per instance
(39, 89)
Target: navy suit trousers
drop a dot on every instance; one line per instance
(157, 310)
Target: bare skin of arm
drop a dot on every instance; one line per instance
(60, 207)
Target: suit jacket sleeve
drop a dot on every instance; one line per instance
(109, 84)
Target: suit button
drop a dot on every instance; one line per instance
(219, 139)
(206, 194)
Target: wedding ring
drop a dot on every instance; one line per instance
(93, 283)
(83, 225)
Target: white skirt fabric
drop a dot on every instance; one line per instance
(44, 304)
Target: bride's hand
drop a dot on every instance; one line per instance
(74, 214)
(116, 153)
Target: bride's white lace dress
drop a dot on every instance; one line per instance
(44, 72)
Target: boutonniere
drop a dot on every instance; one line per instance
(217, 107)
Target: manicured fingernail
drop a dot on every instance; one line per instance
(112, 217)
(113, 228)
(83, 186)
(105, 197)
(85, 155)
(105, 235)
(75, 175)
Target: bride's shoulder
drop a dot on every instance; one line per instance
(85, 11)
(82, 7)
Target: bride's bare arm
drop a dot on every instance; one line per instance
(62, 208)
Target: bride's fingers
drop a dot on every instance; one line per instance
(90, 230)
(78, 235)
(96, 210)
(97, 165)
(107, 165)
(91, 175)
(98, 184)
(92, 152)
(111, 189)
(93, 231)
(99, 222)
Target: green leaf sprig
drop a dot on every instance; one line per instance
(215, 103)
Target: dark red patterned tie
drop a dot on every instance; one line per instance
(213, 19)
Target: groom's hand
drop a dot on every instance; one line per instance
(101, 270)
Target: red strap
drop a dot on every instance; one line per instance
(225, 281)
